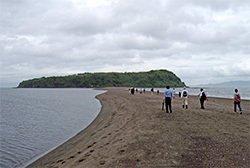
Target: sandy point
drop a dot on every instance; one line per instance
(133, 131)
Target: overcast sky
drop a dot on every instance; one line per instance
(202, 41)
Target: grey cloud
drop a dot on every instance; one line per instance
(219, 4)
(41, 38)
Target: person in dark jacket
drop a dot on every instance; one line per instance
(203, 98)
(179, 94)
(152, 90)
(237, 100)
(132, 90)
(158, 92)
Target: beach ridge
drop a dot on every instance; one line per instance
(133, 131)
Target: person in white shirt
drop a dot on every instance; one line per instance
(237, 100)
(168, 95)
(173, 93)
(184, 96)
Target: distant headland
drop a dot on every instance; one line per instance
(153, 78)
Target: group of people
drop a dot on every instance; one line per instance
(133, 90)
(169, 94)
(142, 90)
(152, 91)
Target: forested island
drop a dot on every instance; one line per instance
(153, 78)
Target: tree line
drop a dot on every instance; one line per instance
(153, 78)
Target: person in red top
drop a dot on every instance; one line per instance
(237, 100)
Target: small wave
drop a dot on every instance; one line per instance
(8, 159)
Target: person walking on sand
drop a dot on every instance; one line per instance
(132, 90)
(168, 95)
(237, 100)
(202, 97)
(141, 91)
(158, 92)
(152, 90)
(173, 92)
(184, 96)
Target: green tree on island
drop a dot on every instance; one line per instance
(153, 78)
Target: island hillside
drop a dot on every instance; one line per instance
(153, 78)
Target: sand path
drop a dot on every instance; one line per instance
(133, 131)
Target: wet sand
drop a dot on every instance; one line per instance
(133, 131)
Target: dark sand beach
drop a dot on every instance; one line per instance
(133, 131)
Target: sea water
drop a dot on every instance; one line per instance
(32, 121)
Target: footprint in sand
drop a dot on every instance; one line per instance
(91, 145)
(63, 162)
(109, 133)
(102, 162)
(91, 151)
(87, 154)
(104, 137)
(71, 157)
(59, 161)
(81, 160)
(79, 152)
(106, 126)
(122, 151)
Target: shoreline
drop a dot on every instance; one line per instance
(114, 137)
(54, 148)
(33, 162)
(212, 96)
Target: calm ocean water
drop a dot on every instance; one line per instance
(33, 121)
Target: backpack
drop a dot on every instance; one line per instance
(184, 94)
(203, 96)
